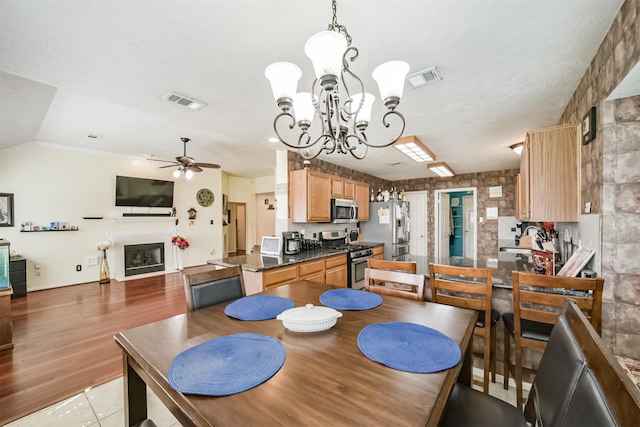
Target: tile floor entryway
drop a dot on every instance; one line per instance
(103, 406)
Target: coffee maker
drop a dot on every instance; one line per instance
(291, 242)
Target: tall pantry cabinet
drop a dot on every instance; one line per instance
(549, 182)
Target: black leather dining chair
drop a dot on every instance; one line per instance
(213, 287)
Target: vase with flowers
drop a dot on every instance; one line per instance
(182, 244)
(105, 274)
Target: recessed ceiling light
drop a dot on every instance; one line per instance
(273, 139)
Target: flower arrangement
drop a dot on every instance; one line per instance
(104, 245)
(180, 242)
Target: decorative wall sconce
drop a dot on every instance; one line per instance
(517, 148)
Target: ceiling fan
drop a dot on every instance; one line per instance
(186, 164)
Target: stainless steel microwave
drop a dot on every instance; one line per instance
(344, 211)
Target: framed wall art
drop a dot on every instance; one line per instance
(6, 210)
(588, 126)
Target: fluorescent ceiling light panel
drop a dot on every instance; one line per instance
(412, 147)
(441, 169)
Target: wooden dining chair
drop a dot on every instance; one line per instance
(383, 264)
(468, 287)
(537, 300)
(213, 287)
(410, 285)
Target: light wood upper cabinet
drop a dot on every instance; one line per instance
(337, 187)
(362, 197)
(549, 185)
(349, 189)
(309, 196)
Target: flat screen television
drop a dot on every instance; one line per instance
(143, 192)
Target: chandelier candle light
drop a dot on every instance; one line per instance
(343, 125)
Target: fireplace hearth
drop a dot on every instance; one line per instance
(143, 258)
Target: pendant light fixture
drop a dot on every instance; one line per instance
(344, 117)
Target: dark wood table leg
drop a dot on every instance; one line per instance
(466, 373)
(135, 394)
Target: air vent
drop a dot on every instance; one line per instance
(184, 101)
(394, 163)
(93, 136)
(423, 77)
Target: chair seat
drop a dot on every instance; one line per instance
(495, 316)
(468, 407)
(529, 329)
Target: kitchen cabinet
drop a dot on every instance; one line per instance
(312, 270)
(378, 252)
(362, 197)
(336, 270)
(309, 196)
(279, 276)
(549, 183)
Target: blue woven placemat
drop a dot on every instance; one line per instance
(350, 299)
(258, 307)
(408, 347)
(227, 365)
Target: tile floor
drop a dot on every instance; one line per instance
(104, 406)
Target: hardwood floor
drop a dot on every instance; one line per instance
(63, 337)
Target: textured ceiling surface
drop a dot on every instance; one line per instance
(71, 68)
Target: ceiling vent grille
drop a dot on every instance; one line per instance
(184, 101)
(423, 77)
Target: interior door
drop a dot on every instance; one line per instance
(469, 225)
(418, 225)
(445, 224)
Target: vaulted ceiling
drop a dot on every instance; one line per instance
(74, 68)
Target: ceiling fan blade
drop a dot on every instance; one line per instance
(207, 165)
(165, 161)
(169, 166)
(194, 168)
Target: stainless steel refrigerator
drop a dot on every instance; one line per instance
(389, 223)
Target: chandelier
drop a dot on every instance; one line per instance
(343, 119)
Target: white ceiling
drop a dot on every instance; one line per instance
(72, 68)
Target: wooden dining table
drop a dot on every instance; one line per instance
(325, 379)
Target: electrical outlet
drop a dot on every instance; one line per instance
(78, 267)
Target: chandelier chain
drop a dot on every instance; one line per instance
(334, 26)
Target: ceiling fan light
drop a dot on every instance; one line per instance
(176, 173)
(325, 49)
(390, 77)
(188, 174)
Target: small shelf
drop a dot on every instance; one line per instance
(92, 217)
(42, 231)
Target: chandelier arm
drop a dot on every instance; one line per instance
(346, 69)
(384, 122)
(361, 141)
(291, 126)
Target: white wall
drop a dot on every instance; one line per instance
(52, 184)
(265, 218)
(243, 190)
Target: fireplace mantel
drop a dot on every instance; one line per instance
(120, 238)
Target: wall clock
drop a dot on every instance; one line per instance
(205, 197)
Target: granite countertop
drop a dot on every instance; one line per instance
(260, 262)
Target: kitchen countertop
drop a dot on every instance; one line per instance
(260, 262)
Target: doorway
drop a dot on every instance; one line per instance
(237, 233)
(418, 224)
(455, 223)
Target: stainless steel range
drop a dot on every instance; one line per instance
(357, 255)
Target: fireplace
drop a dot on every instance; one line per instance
(143, 258)
(128, 237)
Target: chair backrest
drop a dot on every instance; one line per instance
(375, 281)
(539, 298)
(464, 287)
(579, 382)
(213, 287)
(381, 264)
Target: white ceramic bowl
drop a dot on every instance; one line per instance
(310, 318)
